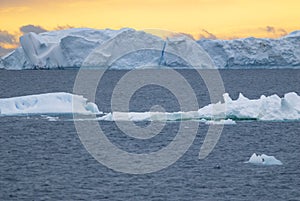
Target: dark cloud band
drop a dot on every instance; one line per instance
(6, 37)
(32, 28)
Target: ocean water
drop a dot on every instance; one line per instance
(44, 160)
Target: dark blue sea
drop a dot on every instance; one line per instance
(45, 160)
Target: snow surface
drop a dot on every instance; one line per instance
(263, 160)
(50, 103)
(70, 48)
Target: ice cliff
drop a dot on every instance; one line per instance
(254, 52)
(70, 48)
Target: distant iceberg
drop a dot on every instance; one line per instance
(266, 108)
(263, 160)
(70, 48)
(221, 122)
(50, 103)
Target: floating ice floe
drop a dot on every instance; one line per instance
(264, 160)
(50, 103)
(266, 108)
(221, 122)
(50, 118)
(150, 116)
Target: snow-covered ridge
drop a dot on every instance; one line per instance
(51, 103)
(70, 48)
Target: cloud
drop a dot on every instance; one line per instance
(206, 34)
(275, 31)
(282, 31)
(64, 27)
(183, 34)
(270, 29)
(6, 37)
(32, 28)
(232, 38)
(188, 35)
(9, 3)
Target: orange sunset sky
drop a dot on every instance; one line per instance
(224, 19)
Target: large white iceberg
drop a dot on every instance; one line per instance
(264, 160)
(50, 103)
(70, 48)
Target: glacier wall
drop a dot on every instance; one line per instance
(70, 48)
(255, 52)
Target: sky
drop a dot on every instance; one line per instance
(224, 19)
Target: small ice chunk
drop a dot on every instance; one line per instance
(263, 160)
(221, 122)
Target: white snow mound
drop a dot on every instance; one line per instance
(50, 103)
